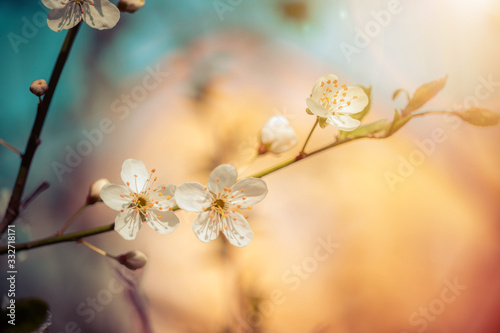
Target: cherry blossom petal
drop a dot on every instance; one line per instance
(355, 100)
(64, 17)
(116, 197)
(223, 176)
(248, 192)
(238, 230)
(343, 123)
(132, 168)
(164, 194)
(163, 222)
(128, 223)
(277, 135)
(323, 85)
(192, 197)
(102, 15)
(205, 228)
(53, 4)
(286, 140)
(316, 108)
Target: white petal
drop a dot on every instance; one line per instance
(162, 222)
(343, 123)
(205, 228)
(116, 197)
(323, 85)
(53, 4)
(277, 135)
(286, 139)
(317, 108)
(238, 230)
(134, 172)
(276, 122)
(64, 17)
(102, 15)
(128, 223)
(192, 197)
(164, 194)
(356, 98)
(248, 192)
(224, 175)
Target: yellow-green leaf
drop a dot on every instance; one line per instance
(322, 122)
(423, 94)
(397, 92)
(479, 117)
(366, 130)
(309, 112)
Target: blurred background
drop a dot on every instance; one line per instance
(394, 235)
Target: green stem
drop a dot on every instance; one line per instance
(60, 239)
(310, 134)
(301, 156)
(34, 140)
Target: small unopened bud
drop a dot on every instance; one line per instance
(133, 260)
(277, 136)
(130, 6)
(39, 87)
(95, 191)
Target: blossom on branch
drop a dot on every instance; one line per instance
(277, 136)
(218, 203)
(133, 260)
(335, 103)
(138, 202)
(130, 6)
(65, 14)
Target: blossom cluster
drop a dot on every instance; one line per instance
(219, 203)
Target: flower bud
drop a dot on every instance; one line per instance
(130, 6)
(133, 260)
(277, 136)
(39, 87)
(95, 191)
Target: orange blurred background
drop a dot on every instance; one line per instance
(338, 247)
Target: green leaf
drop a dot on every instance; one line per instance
(30, 314)
(366, 130)
(398, 122)
(322, 122)
(309, 112)
(423, 94)
(479, 117)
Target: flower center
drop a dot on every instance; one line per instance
(337, 100)
(79, 3)
(220, 204)
(142, 202)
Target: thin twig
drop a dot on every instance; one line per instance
(11, 147)
(34, 140)
(43, 186)
(60, 239)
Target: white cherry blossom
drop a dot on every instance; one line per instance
(337, 102)
(138, 202)
(65, 14)
(277, 136)
(218, 204)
